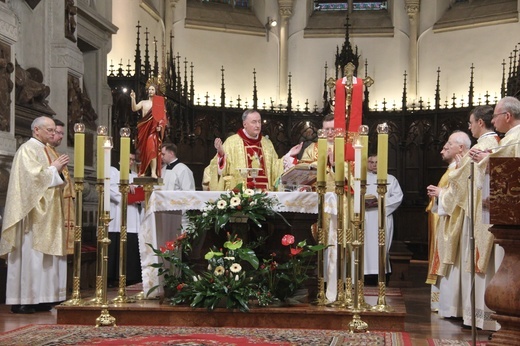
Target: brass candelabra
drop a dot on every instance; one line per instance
(382, 306)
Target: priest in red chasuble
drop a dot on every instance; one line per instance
(150, 131)
(249, 149)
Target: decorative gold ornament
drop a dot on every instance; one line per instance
(158, 82)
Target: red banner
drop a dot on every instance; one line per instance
(356, 113)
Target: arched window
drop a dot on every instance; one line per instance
(234, 3)
(356, 5)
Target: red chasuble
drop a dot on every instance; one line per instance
(255, 159)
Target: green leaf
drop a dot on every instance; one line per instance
(249, 256)
(233, 245)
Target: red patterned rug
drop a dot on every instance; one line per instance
(56, 335)
(443, 342)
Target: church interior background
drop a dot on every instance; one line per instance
(432, 62)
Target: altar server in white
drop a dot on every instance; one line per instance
(176, 175)
(393, 199)
(133, 222)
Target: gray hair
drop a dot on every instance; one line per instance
(247, 112)
(38, 122)
(512, 105)
(462, 138)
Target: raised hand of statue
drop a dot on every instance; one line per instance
(132, 94)
(296, 149)
(219, 146)
(60, 162)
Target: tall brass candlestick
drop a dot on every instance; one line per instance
(382, 306)
(124, 188)
(79, 156)
(382, 172)
(105, 319)
(363, 137)
(339, 163)
(356, 325)
(102, 132)
(347, 207)
(320, 188)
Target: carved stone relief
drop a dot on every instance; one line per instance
(30, 90)
(79, 108)
(70, 20)
(6, 86)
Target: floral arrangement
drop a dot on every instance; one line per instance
(234, 276)
(242, 203)
(286, 276)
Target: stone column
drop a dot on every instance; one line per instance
(285, 7)
(412, 9)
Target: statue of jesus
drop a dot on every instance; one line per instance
(150, 131)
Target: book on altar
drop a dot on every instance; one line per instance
(137, 196)
(300, 175)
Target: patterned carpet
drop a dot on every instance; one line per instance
(443, 342)
(56, 335)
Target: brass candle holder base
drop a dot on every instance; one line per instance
(357, 325)
(105, 319)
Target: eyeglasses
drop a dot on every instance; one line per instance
(497, 114)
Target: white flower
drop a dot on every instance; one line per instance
(235, 268)
(236, 277)
(235, 201)
(209, 266)
(204, 214)
(252, 203)
(221, 204)
(249, 192)
(219, 271)
(229, 258)
(195, 279)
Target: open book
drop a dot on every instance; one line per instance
(301, 174)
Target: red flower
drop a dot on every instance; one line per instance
(182, 236)
(239, 207)
(296, 251)
(287, 240)
(163, 249)
(180, 286)
(170, 245)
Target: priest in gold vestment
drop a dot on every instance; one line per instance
(310, 154)
(249, 149)
(446, 256)
(33, 235)
(69, 193)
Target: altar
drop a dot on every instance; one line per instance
(163, 219)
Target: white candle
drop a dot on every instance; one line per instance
(357, 175)
(107, 147)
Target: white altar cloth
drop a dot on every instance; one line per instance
(162, 221)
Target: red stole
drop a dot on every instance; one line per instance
(255, 159)
(356, 113)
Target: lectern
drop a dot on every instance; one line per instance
(503, 293)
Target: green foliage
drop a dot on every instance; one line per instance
(234, 276)
(239, 202)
